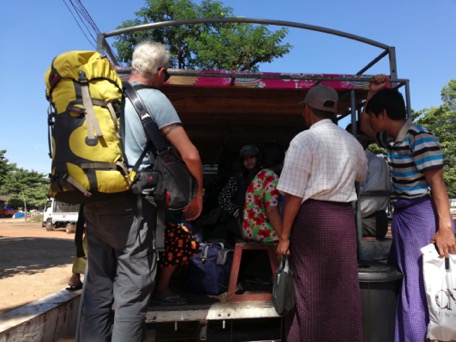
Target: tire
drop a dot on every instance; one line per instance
(49, 225)
(70, 228)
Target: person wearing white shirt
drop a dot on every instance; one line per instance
(318, 179)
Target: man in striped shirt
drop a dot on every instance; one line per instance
(421, 211)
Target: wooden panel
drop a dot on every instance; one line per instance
(221, 120)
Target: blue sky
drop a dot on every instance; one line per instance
(34, 32)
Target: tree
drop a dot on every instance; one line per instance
(449, 95)
(25, 188)
(441, 121)
(5, 167)
(226, 46)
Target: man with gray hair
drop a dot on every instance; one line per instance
(121, 253)
(318, 179)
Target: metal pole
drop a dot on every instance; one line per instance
(245, 20)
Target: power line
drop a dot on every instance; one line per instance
(87, 17)
(83, 19)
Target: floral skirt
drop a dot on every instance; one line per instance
(180, 245)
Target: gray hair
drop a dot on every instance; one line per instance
(148, 57)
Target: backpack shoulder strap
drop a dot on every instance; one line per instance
(150, 127)
(155, 138)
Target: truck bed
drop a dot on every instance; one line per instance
(204, 308)
(208, 318)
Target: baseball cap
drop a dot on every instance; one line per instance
(322, 97)
(251, 150)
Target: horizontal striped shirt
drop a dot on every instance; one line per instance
(414, 152)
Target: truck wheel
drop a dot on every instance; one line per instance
(70, 228)
(48, 225)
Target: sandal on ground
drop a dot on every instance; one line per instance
(169, 300)
(72, 288)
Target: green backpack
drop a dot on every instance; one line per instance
(85, 95)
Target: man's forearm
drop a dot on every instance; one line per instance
(440, 198)
(195, 168)
(292, 205)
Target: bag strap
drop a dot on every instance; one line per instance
(141, 157)
(150, 127)
(156, 139)
(93, 127)
(78, 236)
(204, 253)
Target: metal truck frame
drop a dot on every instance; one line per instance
(217, 119)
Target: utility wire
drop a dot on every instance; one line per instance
(87, 16)
(83, 19)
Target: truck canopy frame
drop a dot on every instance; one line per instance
(223, 110)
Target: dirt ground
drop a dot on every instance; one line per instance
(34, 263)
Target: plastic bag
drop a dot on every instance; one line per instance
(283, 296)
(440, 286)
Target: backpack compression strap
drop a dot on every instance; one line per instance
(92, 122)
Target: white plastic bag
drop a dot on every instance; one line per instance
(440, 286)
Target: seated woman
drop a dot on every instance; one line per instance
(261, 216)
(180, 246)
(232, 195)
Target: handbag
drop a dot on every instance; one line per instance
(440, 287)
(180, 187)
(209, 270)
(283, 296)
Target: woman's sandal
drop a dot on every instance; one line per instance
(169, 300)
(72, 288)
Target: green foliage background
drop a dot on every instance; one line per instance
(441, 121)
(226, 46)
(26, 189)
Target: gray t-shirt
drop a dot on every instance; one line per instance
(133, 136)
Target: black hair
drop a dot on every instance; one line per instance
(362, 137)
(273, 154)
(358, 128)
(390, 100)
(323, 113)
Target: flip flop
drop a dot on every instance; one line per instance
(72, 288)
(169, 300)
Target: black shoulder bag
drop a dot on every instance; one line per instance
(180, 187)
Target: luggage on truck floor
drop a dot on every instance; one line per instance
(209, 270)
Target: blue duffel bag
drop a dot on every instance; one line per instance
(209, 270)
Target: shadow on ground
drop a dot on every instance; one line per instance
(27, 255)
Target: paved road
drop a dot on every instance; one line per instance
(34, 263)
